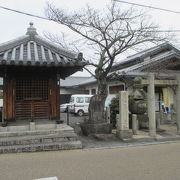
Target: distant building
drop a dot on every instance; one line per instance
(69, 86)
(163, 60)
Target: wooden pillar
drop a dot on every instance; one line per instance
(9, 98)
(54, 99)
(58, 99)
(178, 104)
(151, 105)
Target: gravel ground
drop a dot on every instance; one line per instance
(73, 119)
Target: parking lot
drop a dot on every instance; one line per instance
(73, 119)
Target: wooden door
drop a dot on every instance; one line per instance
(32, 99)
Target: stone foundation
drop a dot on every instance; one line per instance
(98, 128)
(45, 137)
(124, 134)
(143, 121)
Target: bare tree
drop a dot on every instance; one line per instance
(108, 32)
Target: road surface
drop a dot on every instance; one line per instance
(153, 162)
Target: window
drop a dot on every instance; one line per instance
(116, 89)
(86, 91)
(31, 89)
(93, 91)
(79, 99)
(72, 100)
(87, 99)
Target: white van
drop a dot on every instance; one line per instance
(79, 104)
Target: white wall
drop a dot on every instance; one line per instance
(1, 102)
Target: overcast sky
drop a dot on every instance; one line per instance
(13, 25)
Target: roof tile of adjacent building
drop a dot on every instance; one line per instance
(33, 50)
(140, 56)
(73, 81)
(138, 64)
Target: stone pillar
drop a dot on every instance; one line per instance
(134, 124)
(32, 126)
(178, 104)
(158, 120)
(151, 105)
(123, 131)
(108, 115)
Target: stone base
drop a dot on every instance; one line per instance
(124, 134)
(178, 132)
(4, 124)
(98, 128)
(32, 126)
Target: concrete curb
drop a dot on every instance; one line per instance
(137, 142)
(129, 145)
(168, 139)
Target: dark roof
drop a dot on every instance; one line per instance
(154, 64)
(160, 54)
(73, 81)
(33, 50)
(139, 57)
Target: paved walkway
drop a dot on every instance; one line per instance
(110, 141)
(166, 134)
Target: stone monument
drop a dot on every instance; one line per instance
(96, 123)
(138, 103)
(123, 131)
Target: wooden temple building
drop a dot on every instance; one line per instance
(31, 68)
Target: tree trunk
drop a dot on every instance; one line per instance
(97, 103)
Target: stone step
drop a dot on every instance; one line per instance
(35, 132)
(36, 139)
(41, 147)
(41, 138)
(37, 127)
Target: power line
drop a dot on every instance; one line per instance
(27, 14)
(44, 18)
(146, 6)
(150, 31)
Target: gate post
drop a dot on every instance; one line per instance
(151, 105)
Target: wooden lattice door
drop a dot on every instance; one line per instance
(31, 99)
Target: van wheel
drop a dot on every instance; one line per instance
(80, 113)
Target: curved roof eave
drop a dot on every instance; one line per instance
(33, 50)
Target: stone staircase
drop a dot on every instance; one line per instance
(42, 138)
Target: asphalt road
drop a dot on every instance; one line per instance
(153, 162)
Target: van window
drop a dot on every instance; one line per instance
(79, 99)
(87, 99)
(72, 100)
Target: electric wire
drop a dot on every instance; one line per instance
(44, 18)
(147, 6)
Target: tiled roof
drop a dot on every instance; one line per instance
(145, 53)
(90, 80)
(33, 50)
(73, 81)
(153, 64)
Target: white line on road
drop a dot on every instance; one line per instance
(47, 178)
